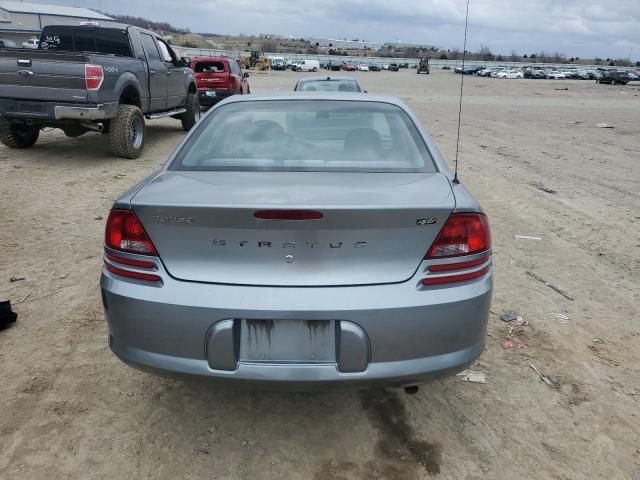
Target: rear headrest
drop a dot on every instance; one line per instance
(264, 130)
(362, 142)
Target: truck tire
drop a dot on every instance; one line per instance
(127, 132)
(192, 115)
(15, 135)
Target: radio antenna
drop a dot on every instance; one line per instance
(464, 55)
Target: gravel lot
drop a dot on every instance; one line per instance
(70, 409)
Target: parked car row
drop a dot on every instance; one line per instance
(608, 76)
(363, 67)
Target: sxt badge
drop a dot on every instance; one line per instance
(425, 221)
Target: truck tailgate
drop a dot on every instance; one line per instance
(42, 75)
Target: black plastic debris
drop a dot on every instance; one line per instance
(509, 316)
(7, 315)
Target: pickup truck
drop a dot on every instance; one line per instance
(90, 78)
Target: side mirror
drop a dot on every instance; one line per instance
(186, 61)
(245, 74)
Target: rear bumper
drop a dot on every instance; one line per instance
(52, 111)
(307, 376)
(413, 335)
(206, 99)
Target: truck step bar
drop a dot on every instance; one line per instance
(171, 113)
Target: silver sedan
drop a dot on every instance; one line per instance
(307, 240)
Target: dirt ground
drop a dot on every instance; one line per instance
(70, 409)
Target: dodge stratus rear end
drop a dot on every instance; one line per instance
(301, 240)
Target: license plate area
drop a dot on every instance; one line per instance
(287, 341)
(30, 107)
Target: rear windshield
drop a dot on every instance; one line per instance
(108, 41)
(329, 86)
(306, 135)
(209, 67)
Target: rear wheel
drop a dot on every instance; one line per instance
(192, 115)
(315, 69)
(127, 132)
(16, 135)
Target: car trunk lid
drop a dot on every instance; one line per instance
(374, 228)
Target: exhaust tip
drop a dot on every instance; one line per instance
(412, 390)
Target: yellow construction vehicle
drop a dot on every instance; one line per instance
(256, 61)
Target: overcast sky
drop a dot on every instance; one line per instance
(583, 28)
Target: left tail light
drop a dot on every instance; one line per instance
(93, 76)
(465, 241)
(124, 233)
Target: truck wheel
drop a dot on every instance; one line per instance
(15, 135)
(192, 115)
(127, 132)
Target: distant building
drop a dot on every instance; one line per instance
(22, 21)
(343, 44)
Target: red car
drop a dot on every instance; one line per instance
(349, 67)
(218, 78)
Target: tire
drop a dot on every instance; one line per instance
(127, 132)
(192, 115)
(314, 69)
(15, 135)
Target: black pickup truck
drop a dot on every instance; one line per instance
(91, 78)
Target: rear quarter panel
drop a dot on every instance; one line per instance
(119, 72)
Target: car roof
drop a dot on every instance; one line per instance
(326, 78)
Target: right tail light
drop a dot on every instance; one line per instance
(463, 235)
